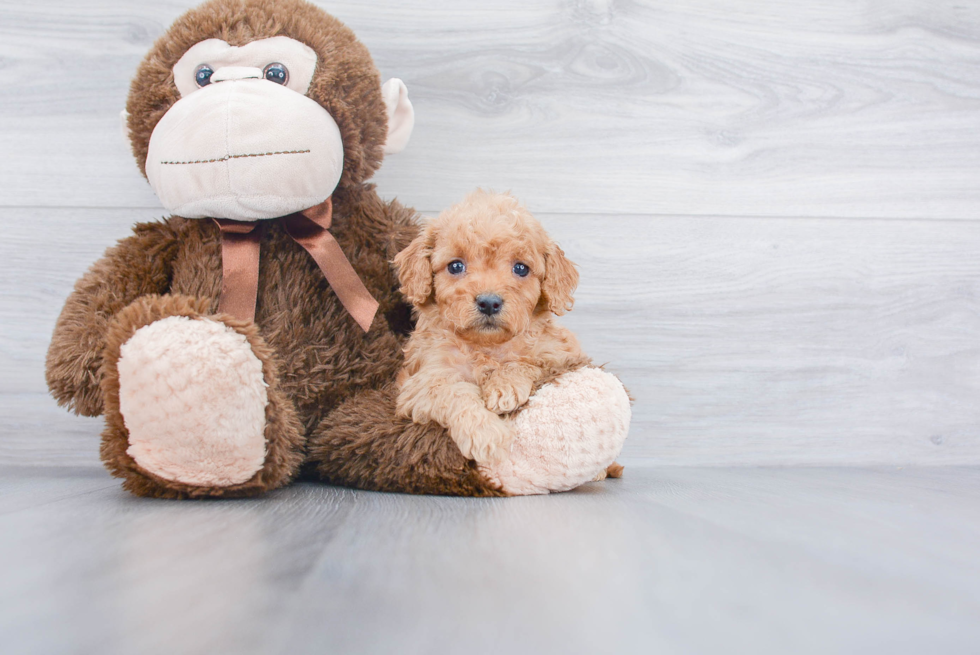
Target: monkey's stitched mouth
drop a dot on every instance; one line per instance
(227, 157)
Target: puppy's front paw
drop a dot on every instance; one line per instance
(488, 441)
(504, 396)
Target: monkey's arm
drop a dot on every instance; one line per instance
(401, 226)
(138, 265)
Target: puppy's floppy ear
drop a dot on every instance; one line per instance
(560, 280)
(415, 267)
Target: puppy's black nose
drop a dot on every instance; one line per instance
(489, 303)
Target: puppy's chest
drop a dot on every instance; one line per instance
(475, 364)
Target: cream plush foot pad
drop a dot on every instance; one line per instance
(193, 398)
(571, 429)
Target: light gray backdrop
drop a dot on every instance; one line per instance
(774, 205)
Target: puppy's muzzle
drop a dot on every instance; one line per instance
(489, 304)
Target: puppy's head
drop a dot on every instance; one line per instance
(487, 268)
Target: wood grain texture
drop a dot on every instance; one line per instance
(744, 341)
(665, 560)
(759, 108)
(754, 341)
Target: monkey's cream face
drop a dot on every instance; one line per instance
(244, 141)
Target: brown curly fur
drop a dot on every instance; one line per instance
(323, 370)
(138, 265)
(321, 355)
(361, 444)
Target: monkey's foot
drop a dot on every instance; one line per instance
(193, 398)
(192, 404)
(570, 431)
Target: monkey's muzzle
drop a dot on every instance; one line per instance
(244, 149)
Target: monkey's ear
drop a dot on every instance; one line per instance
(414, 265)
(560, 280)
(401, 115)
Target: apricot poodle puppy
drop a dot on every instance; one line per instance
(486, 281)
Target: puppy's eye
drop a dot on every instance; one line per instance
(456, 267)
(521, 269)
(203, 75)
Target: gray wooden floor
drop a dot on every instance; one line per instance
(666, 560)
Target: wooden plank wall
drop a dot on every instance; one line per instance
(774, 205)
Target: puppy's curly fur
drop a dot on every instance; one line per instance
(486, 281)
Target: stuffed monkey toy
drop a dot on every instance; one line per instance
(255, 334)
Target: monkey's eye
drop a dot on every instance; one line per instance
(276, 73)
(456, 267)
(203, 75)
(521, 269)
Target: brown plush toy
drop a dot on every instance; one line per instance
(260, 328)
